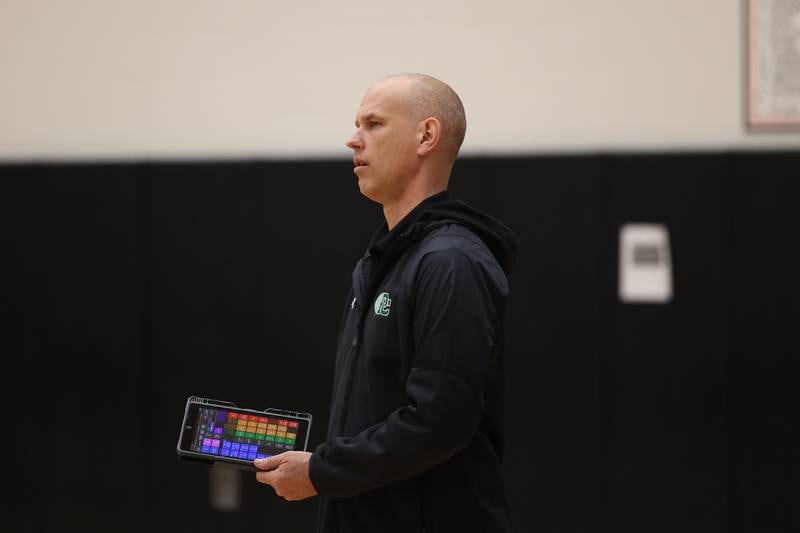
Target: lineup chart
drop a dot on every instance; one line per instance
(242, 436)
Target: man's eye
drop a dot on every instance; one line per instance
(373, 124)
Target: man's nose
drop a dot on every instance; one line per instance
(354, 142)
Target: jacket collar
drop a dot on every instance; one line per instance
(383, 238)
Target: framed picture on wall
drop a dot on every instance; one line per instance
(773, 64)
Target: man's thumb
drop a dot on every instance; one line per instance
(268, 463)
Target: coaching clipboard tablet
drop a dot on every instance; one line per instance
(218, 431)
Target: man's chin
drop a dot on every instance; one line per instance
(368, 191)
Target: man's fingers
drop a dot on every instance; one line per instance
(269, 463)
(287, 473)
(270, 477)
(266, 477)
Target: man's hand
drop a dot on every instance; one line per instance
(287, 473)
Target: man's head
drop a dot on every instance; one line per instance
(409, 129)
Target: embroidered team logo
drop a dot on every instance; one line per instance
(382, 304)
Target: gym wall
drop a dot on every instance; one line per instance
(182, 219)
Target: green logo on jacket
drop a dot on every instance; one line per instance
(382, 304)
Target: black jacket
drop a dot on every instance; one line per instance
(415, 439)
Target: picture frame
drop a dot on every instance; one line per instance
(773, 65)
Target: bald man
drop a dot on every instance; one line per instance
(415, 439)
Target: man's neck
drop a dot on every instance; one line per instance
(411, 198)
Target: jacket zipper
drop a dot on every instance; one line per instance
(350, 369)
(377, 276)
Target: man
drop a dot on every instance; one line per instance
(415, 438)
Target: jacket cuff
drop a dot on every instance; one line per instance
(315, 474)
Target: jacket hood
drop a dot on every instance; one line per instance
(442, 209)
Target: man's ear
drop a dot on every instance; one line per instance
(430, 133)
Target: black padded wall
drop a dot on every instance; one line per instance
(249, 270)
(666, 363)
(137, 285)
(74, 393)
(763, 299)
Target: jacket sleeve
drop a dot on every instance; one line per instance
(458, 306)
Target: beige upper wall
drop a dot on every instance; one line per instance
(190, 78)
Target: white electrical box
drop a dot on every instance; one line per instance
(645, 264)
